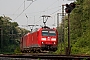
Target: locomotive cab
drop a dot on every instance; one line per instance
(49, 39)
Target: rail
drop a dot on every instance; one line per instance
(46, 56)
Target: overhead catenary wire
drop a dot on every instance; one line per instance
(41, 11)
(50, 5)
(55, 11)
(50, 14)
(18, 8)
(24, 10)
(28, 6)
(38, 12)
(49, 9)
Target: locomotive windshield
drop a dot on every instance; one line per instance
(52, 33)
(48, 33)
(44, 33)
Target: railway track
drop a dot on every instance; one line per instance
(43, 56)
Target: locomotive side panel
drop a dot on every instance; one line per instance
(35, 39)
(27, 40)
(30, 40)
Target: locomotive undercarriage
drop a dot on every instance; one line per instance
(49, 47)
(39, 49)
(31, 49)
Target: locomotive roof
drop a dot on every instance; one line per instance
(43, 28)
(38, 29)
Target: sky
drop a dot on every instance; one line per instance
(27, 12)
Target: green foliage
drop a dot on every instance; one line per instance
(79, 28)
(61, 49)
(82, 45)
(17, 50)
(9, 35)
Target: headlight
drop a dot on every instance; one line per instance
(43, 39)
(54, 43)
(42, 43)
(53, 39)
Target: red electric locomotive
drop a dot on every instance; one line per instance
(41, 39)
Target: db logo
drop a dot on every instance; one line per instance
(49, 38)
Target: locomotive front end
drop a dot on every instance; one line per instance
(49, 39)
